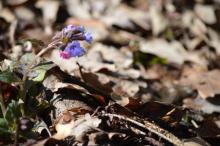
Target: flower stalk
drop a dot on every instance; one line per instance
(68, 42)
(3, 107)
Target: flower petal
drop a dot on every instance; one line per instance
(65, 54)
(78, 52)
(74, 49)
(88, 37)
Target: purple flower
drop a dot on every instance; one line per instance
(88, 37)
(73, 49)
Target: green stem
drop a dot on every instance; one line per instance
(29, 66)
(3, 108)
(16, 134)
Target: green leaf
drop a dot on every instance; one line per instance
(41, 69)
(3, 126)
(27, 58)
(169, 34)
(157, 60)
(8, 77)
(5, 132)
(45, 65)
(41, 74)
(148, 59)
(13, 113)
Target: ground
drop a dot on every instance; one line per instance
(116, 72)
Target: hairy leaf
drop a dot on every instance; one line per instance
(13, 113)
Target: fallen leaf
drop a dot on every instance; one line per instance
(129, 87)
(77, 128)
(49, 9)
(200, 104)
(15, 2)
(158, 21)
(79, 9)
(206, 13)
(128, 16)
(24, 13)
(93, 81)
(206, 83)
(194, 24)
(7, 15)
(174, 51)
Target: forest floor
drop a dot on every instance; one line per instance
(150, 76)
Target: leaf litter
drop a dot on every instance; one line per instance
(149, 77)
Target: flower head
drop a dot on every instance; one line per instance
(70, 37)
(73, 49)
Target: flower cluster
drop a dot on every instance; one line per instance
(70, 37)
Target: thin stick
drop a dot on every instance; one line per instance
(151, 127)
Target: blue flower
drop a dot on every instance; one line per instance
(73, 49)
(88, 37)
